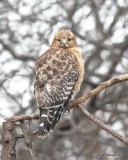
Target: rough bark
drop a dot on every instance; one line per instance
(8, 141)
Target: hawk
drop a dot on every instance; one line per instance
(59, 73)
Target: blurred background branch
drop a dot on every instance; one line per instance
(101, 28)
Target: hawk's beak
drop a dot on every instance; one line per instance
(64, 41)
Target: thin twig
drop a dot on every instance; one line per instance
(20, 135)
(102, 125)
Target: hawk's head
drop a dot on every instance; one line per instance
(64, 38)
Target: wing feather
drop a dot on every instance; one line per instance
(56, 74)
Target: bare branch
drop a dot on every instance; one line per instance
(75, 102)
(11, 51)
(102, 125)
(22, 135)
(98, 89)
(8, 141)
(28, 141)
(23, 117)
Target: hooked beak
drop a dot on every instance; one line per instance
(64, 41)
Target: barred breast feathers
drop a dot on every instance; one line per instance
(75, 51)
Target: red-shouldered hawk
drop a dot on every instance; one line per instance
(59, 74)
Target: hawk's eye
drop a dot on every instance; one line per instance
(59, 40)
(69, 39)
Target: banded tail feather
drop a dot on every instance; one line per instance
(48, 120)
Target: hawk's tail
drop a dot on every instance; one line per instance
(48, 119)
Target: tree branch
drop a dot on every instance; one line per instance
(75, 102)
(98, 89)
(23, 117)
(28, 140)
(102, 125)
(8, 141)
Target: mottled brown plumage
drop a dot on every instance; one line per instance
(59, 74)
